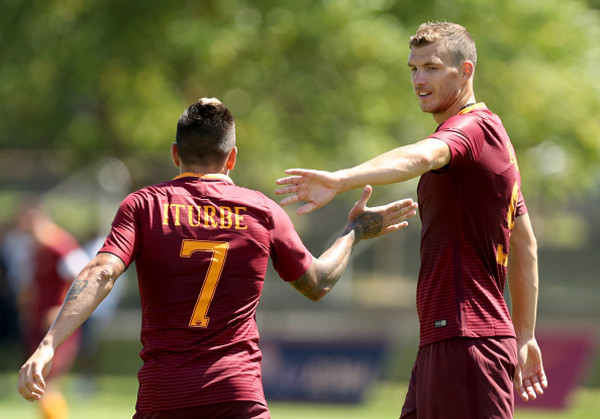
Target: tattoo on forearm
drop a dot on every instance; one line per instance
(326, 280)
(367, 226)
(332, 263)
(76, 289)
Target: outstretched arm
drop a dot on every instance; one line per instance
(90, 287)
(317, 187)
(530, 378)
(363, 223)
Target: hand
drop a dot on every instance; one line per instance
(315, 187)
(31, 376)
(530, 378)
(369, 223)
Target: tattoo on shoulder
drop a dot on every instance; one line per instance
(368, 225)
(76, 289)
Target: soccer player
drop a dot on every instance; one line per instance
(201, 246)
(475, 231)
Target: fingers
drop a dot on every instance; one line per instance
(530, 387)
(399, 205)
(402, 209)
(365, 196)
(406, 206)
(305, 209)
(292, 199)
(296, 177)
(31, 384)
(395, 227)
(398, 221)
(518, 379)
(394, 214)
(543, 378)
(298, 171)
(286, 190)
(404, 214)
(536, 388)
(525, 387)
(290, 180)
(38, 378)
(523, 394)
(535, 385)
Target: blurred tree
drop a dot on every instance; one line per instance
(315, 83)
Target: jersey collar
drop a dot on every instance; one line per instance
(472, 107)
(209, 176)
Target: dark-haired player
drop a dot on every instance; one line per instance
(475, 230)
(201, 246)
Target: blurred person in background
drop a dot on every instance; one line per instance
(56, 260)
(201, 246)
(475, 231)
(16, 251)
(9, 317)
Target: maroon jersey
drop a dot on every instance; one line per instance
(201, 246)
(467, 211)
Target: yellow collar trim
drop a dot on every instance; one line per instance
(219, 176)
(473, 107)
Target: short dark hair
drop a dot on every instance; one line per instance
(205, 133)
(455, 38)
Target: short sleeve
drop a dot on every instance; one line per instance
(291, 259)
(122, 241)
(521, 206)
(464, 137)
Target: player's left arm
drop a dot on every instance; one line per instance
(363, 223)
(89, 288)
(530, 378)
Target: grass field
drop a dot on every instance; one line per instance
(115, 399)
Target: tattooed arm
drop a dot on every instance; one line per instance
(363, 223)
(90, 287)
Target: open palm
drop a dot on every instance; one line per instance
(315, 187)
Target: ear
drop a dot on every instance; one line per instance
(175, 155)
(468, 69)
(231, 158)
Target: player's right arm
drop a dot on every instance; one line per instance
(90, 287)
(317, 187)
(363, 223)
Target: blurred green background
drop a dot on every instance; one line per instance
(91, 92)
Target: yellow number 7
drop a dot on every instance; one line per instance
(219, 253)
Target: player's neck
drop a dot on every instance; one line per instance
(456, 107)
(203, 170)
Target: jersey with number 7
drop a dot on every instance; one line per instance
(201, 246)
(467, 211)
